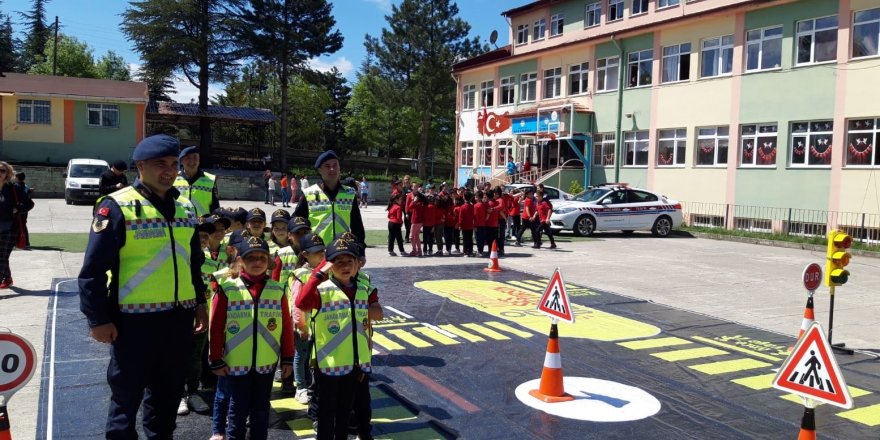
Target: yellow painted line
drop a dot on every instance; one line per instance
(409, 338)
(689, 353)
(395, 324)
(435, 335)
(525, 285)
(868, 415)
(762, 382)
(388, 344)
(654, 343)
(739, 349)
(509, 329)
(396, 413)
(455, 330)
(302, 428)
(486, 332)
(853, 392)
(729, 366)
(287, 404)
(417, 434)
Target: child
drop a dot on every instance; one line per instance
(395, 224)
(450, 234)
(428, 225)
(481, 214)
(278, 223)
(466, 223)
(250, 328)
(543, 226)
(285, 262)
(310, 256)
(440, 202)
(416, 210)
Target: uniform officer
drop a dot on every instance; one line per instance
(113, 179)
(146, 238)
(331, 208)
(196, 185)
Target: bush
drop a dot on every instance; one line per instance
(575, 187)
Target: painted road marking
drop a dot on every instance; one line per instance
(469, 336)
(654, 343)
(869, 415)
(409, 338)
(689, 353)
(723, 367)
(486, 332)
(595, 400)
(739, 349)
(435, 335)
(509, 329)
(386, 343)
(762, 382)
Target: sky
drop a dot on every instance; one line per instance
(98, 26)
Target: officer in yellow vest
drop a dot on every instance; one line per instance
(145, 237)
(196, 185)
(330, 206)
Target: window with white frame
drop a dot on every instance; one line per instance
(639, 7)
(593, 15)
(866, 33)
(553, 83)
(528, 87)
(672, 147)
(758, 143)
(635, 147)
(717, 57)
(817, 40)
(32, 111)
(638, 68)
(469, 97)
(666, 3)
(522, 34)
(486, 153)
(507, 86)
(103, 115)
(539, 30)
(764, 49)
(487, 94)
(467, 154)
(557, 21)
(676, 63)
(505, 152)
(615, 10)
(606, 74)
(712, 144)
(603, 150)
(577, 78)
(811, 143)
(862, 136)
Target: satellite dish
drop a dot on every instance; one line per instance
(493, 37)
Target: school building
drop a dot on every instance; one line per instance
(756, 114)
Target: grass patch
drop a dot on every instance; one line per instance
(819, 241)
(65, 242)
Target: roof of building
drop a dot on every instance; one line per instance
(488, 57)
(529, 6)
(21, 84)
(179, 112)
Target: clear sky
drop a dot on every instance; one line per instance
(96, 22)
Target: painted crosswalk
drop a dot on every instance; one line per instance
(396, 336)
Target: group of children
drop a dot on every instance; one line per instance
(446, 217)
(267, 293)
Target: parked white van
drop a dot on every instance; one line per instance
(81, 180)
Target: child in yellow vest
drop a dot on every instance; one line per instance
(311, 256)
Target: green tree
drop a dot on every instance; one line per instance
(334, 125)
(37, 35)
(159, 82)
(112, 66)
(8, 59)
(74, 59)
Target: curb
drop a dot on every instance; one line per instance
(777, 243)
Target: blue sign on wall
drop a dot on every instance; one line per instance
(524, 125)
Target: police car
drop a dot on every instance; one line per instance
(617, 207)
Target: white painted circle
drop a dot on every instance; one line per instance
(595, 400)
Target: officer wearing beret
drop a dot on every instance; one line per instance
(154, 299)
(196, 185)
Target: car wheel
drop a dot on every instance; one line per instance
(584, 226)
(662, 227)
(627, 231)
(69, 202)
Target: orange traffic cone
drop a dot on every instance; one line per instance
(551, 389)
(808, 425)
(809, 317)
(5, 433)
(493, 259)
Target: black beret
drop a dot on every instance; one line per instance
(160, 145)
(324, 157)
(187, 151)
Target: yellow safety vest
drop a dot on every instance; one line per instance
(329, 218)
(211, 265)
(199, 193)
(250, 322)
(336, 323)
(288, 263)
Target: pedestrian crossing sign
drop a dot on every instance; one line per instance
(812, 372)
(554, 302)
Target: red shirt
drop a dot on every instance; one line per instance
(431, 216)
(479, 214)
(395, 214)
(309, 298)
(512, 205)
(416, 210)
(407, 206)
(544, 210)
(466, 217)
(451, 215)
(528, 208)
(495, 206)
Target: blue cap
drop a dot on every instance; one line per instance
(252, 244)
(256, 213)
(160, 145)
(187, 151)
(239, 214)
(342, 246)
(207, 222)
(280, 215)
(298, 223)
(324, 157)
(311, 243)
(235, 238)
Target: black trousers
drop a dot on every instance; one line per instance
(438, 236)
(541, 229)
(492, 236)
(427, 238)
(501, 236)
(525, 226)
(468, 236)
(395, 235)
(450, 236)
(363, 409)
(7, 242)
(335, 400)
(481, 238)
(515, 221)
(407, 223)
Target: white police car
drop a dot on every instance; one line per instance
(617, 207)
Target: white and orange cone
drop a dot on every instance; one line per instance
(809, 317)
(493, 259)
(552, 389)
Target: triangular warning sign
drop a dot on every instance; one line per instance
(554, 302)
(811, 371)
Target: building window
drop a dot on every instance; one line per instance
(639, 68)
(507, 86)
(540, 29)
(467, 154)
(469, 97)
(606, 74)
(528, 87)
(593, 15)
(486, 153)
(487, 93)
(557, 21)
(505, 152)
(603, 150)
(666, 3)
(811, 143)
(639, 7)
(764, 49)
(866, 33)
(577, 78)
(522, 34)
(672, 147)
(862, 137)
(553, 83)
(712, 143)
(635, 147)
(717, 57)
(817, 40)
(32, 111)
(676, 63)
(758, 145)
(103, 115)
(615, 10)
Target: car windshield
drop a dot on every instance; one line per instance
(590, 195)
(87, 171)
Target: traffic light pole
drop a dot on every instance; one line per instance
(840, 347)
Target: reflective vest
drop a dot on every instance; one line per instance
(250, 322)
(288, 262)
(154, 263)
(300, 274)
(200, 193)
(211, 265)
(338, 326)
(329, 218)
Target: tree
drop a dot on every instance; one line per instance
(74, 59)
(417, 52)
(159, 83)
(8, 60)
(286, 34)
(37, 36)
(334, 126)
(190, 37)
(112, 66)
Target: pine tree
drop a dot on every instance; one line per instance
(334, 127)
(160, 86)
(8, 60)
(38, 35)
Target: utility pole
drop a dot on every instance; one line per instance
(55, 48)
